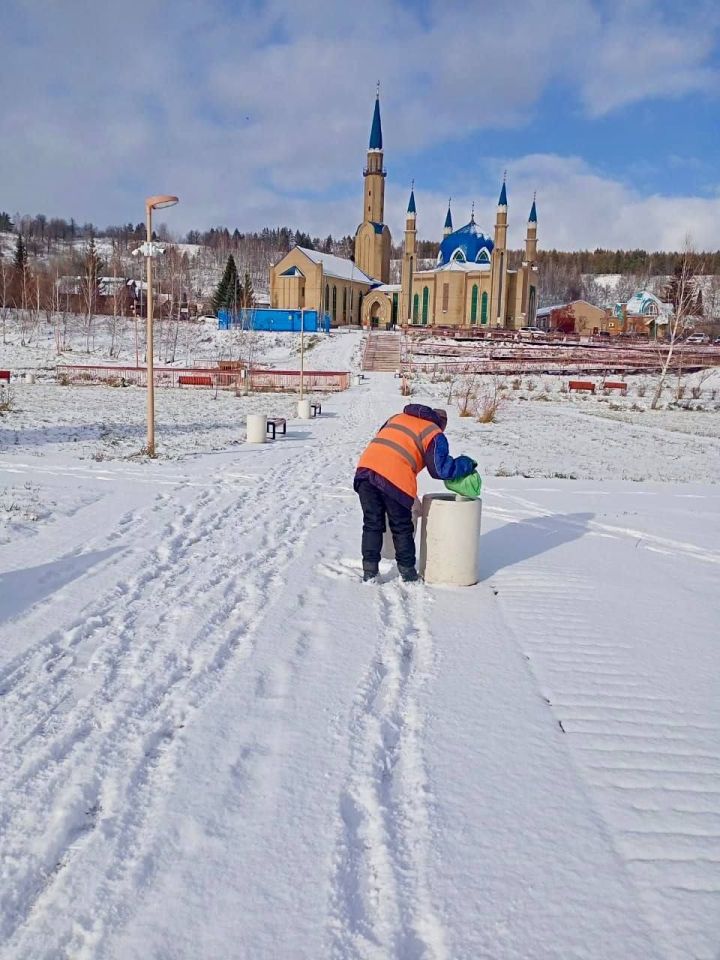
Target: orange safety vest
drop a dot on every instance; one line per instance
(398, 451)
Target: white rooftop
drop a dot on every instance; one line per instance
(336, 266)
(460, 266)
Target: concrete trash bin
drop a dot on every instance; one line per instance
(256, 428)
(303, 409)
(450, 539)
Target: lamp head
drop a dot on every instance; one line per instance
(160, 201)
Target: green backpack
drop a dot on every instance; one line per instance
(469, 487)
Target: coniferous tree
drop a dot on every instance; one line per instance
(6, 223)
(226, 292)
(21, 260)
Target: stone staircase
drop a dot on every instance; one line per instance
(383, 352)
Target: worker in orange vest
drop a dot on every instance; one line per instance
(386, 481)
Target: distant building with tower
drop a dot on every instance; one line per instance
(470, 286)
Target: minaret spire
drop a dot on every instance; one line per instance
(376, 129)
(411, 203)
(448, 228)
(533, 211)
(502, 202)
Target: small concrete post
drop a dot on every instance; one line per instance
(256, 428)
(303, 410)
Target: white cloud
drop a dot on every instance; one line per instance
(258, 113)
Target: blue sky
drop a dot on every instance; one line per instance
(257, 113)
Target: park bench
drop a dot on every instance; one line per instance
(5, 375)
(316, 409)
(274, 423)
(615, 385)
(581, 386)
(195, 380)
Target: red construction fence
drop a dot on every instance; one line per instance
(259, 379)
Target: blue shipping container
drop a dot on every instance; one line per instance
(275, 321)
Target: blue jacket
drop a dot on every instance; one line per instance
(438, 461)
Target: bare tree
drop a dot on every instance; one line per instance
(685, 299)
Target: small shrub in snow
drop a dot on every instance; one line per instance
(7, 400)
(696, 392)
(531, 385)
(641, 388)
(516, 383)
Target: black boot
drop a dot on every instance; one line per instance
(409, 574)
(370, 570)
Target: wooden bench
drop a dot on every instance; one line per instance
(5, 375)
(581, 386)
(273, 423)
(316, 409)
(615, 385)
(195, 381)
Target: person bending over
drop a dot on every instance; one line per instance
(386, 481)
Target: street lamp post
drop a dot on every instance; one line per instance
(302, 353)
(152, 203)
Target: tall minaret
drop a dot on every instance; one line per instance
(531, 236)
(374, 209)
(372, 239)
(408, 260)
(448, 228)
(528, 307)
(499, 262)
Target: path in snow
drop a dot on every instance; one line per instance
(215, 741)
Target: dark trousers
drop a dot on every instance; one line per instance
(376, 505)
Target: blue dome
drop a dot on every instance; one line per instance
(467, 244)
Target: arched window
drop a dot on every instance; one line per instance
(484, 308)
(426, 300)
(416, 307)
(483, 256)
(360, 300)
(473, 304)
(327, 298)
(334, 307)
(344, 313)
(459, 256)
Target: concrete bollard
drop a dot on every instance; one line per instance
(357, 380)
(303, 410)
(256, 428)
(450, 539)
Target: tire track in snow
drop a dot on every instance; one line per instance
(104, 768)
(381, 900)
(651, 764)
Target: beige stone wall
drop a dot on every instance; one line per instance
(294, 293)
(589, 318)
(313, 290)
(344, 300)
(372, 252)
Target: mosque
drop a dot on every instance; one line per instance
(470, 285)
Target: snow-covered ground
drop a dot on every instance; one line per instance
(215, 741)
(177, 344)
